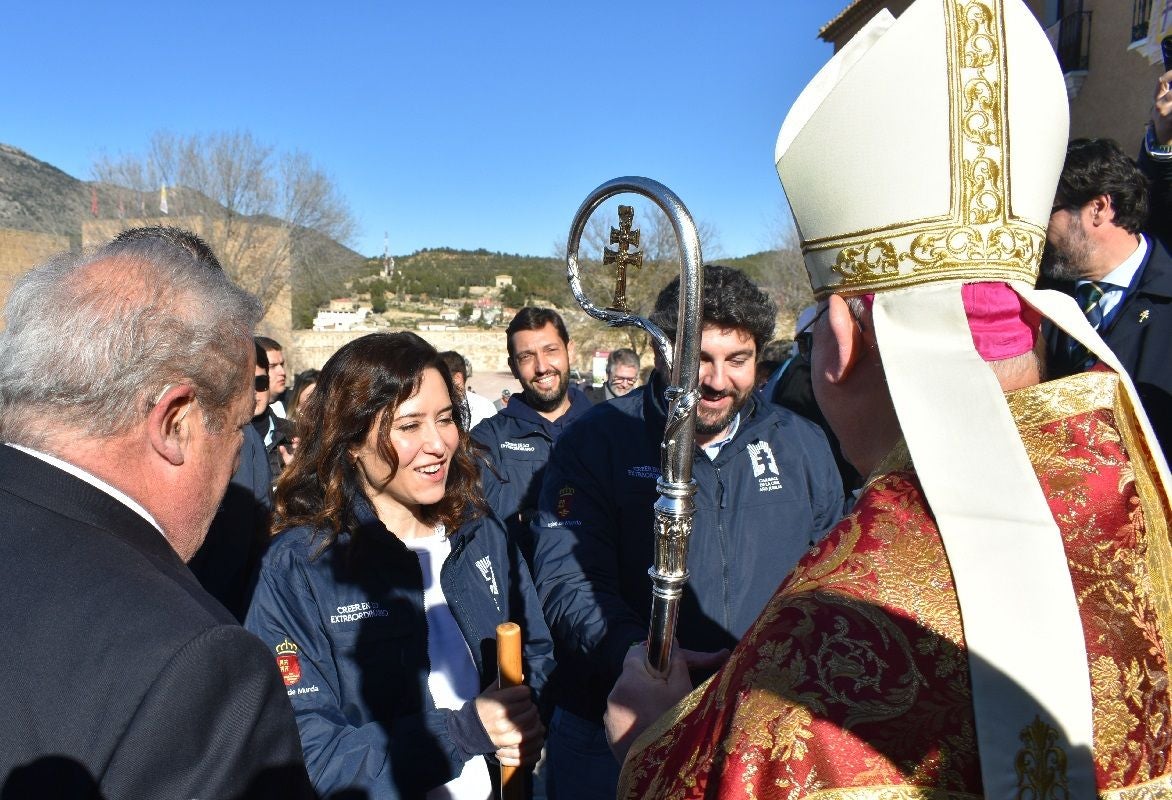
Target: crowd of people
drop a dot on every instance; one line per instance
(931, 553)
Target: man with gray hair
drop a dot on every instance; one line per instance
(622, 375)
(125, 384)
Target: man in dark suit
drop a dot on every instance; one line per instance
(275, 431)
(226, 562)
(275, 366)
(1121, 277)
(125, 383)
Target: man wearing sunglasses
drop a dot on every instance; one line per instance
(236, 538)
(275, 431)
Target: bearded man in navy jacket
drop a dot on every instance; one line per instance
(125, 383)
(767, 489)
(519, 437)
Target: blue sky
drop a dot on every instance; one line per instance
(453, 124)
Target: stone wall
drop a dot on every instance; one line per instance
(20, 251)
(1115, 100)
(485, 349)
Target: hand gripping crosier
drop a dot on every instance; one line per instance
(675, 507)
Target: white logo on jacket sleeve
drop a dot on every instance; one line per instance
(485, 567)
(764, 466)
(523, 447)
(355, 612)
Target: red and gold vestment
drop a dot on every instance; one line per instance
(854, 683)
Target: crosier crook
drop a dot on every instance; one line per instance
(675, 507)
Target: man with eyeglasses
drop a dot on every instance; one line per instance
(767, 488)
(622, 375)
(791, 387)
(1098, 251)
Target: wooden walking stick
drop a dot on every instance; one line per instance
(508, 663)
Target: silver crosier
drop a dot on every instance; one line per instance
(675, 507)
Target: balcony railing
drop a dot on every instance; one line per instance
(1073, 41)
(1141, 14)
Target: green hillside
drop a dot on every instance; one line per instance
(446, 273)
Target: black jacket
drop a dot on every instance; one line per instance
(1140, 335)
(226, 562)
(125, 677)
(770, 493)
(283, 431)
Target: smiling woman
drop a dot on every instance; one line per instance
(381, 595)
(423, 436)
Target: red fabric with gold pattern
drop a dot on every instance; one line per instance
(854, 680)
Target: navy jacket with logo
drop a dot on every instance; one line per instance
(770, 493)
(519, 441)
(348, 630)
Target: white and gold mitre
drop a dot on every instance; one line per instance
(897, 158)
(924, 156)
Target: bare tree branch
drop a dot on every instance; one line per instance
(268, 216)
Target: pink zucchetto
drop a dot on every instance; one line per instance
(1001, 324)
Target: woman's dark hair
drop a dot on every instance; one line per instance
(376, 372)
(302, 382)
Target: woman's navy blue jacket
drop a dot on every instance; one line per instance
(349, 633)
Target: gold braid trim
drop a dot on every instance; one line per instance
(892, 793)
(1048, 402)
(1156, 512)
(1155, 789)
(658, 728)
(1087, 392)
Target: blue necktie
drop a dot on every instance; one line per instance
(1088, 295)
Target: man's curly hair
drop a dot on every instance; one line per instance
(731, 300)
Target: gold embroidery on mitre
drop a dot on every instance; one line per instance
(980, 238)
(1041, 764)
